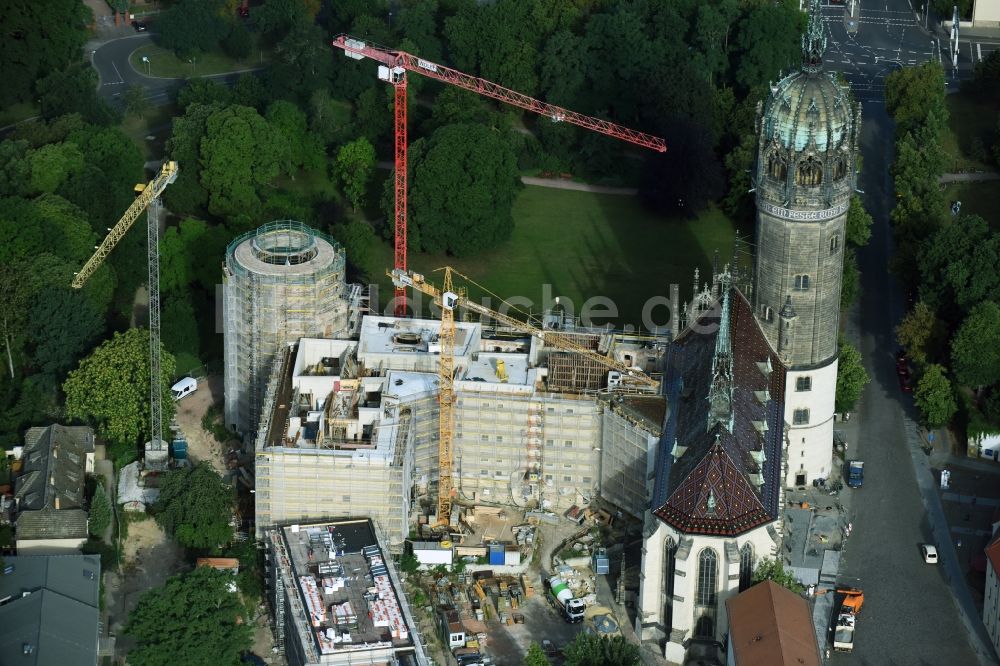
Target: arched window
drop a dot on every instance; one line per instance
(809, 172)
(839, 168)
(834, 244)
(669, 571)
(777, 168)
(746, 566)
(707, 594)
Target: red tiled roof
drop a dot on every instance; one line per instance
(770, 626)
(993, 553)
(715, 461)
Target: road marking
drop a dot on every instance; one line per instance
(120, 79)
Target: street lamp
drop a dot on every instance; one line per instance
(145, 61)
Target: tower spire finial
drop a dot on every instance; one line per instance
(814, 41)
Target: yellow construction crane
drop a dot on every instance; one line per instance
(147, 197)
(447, 299)
(147, 193)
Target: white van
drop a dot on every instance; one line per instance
(184, 387)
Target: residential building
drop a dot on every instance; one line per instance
(49, 610)
(770, 625)
(991, 595)
(336, 598)
(50, 489)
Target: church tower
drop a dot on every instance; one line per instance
(804, 178)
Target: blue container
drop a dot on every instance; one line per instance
(179, 449)
(496, 554)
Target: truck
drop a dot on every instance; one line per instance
(847, 617)
(855, 473)
(571, 607)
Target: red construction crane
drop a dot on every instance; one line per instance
(395, 64)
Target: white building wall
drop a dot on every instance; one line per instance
(810, 444)
(652, 620)
(49, 546)
(627, 455)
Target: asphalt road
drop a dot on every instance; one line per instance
(117, 75)
(910, 614)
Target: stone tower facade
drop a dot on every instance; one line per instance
(805, 175)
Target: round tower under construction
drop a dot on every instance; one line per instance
(282, 282)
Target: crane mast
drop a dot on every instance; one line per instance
(148, 200)
(447, 299)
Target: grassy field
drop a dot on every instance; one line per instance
(982, 199)
(15, 113)
(579, 245)
(971, 116)
(164, 63)
(155, 123)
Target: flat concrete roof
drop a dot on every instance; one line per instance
(484, 368)
(390, 335)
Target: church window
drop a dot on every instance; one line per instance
(706, 598)
(834, 244)
(669, 568)
(746, 566)
(707, 577)
(801, 282)
(767, 313)
(803, 383)
(809, 172)
(800, 417)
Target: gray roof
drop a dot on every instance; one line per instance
(54, 467)
(58, 617)
(51, 524)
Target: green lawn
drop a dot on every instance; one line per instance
(970, 115)
(15, 113)
(164, 63)
(155, 123)
(982, 199)
(583, 245)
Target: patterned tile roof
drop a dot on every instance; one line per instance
(711, 480)
(49, 523)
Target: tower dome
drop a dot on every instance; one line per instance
(808, 132)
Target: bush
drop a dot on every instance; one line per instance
(108, 553)
(100, 512)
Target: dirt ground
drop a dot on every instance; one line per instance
(149, 559)
(190, 410)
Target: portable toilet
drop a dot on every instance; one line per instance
(179, 449)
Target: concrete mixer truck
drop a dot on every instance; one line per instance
(560, 595)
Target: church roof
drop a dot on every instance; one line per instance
(716, 475)
(809, 107)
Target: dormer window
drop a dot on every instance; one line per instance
(809, 172)
(777, 168)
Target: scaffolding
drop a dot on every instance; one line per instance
(282, 282)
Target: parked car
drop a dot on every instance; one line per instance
(929, 553)
(905, 381)
(139, 26)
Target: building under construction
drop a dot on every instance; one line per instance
(365, 440)
(282, 282)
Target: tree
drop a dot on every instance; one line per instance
(67, 324)
(593, 650)
(239, 43)
(180, 329)
(935, 397)
(958, 266)
(359, 241)
(204, 91)
(136, 103)
(918, 332)
(249, 91)
(327, 116)
(110, 388)
(975, 349)
(850, 283)
(303, 150)
(277, 17)
(851, 377)
(774, 570)
(195, 507)
(859, 223)
(464, 183)
(355, 163)
(914, 96)
(50, 165)
(767, 43)
(73, 89)
(100, 512)
(191, 27)
(193, 618)
(535, 656)
(240, 152)
(39, 38)
(688, 175)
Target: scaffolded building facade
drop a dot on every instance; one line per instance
(282, 282)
